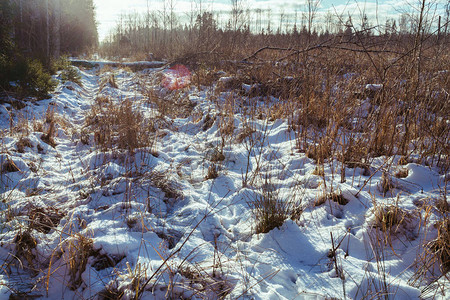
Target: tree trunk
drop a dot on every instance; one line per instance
(56, 28)
(47, 32)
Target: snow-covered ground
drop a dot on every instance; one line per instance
(81, 223)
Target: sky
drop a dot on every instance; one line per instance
(108, 11)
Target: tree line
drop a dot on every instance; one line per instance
(241, 29)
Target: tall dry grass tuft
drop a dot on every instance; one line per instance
(49, 125)
(433, 261)
(269, 208)
(119, 125)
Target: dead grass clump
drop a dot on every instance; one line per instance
(402, 173)
(208, 122)
(390, 218)
(118, 125)
(215, 155)
(128, 121)
(103, 261)
(9, 167)
(385, 135)
(213, 172)
(76, 254)
(25, 245)
(433, 262)
(269, 209)
(104, 69)
(278, 111)
(109, 80)
(174, 104)
(386, 184)
(226, 126)
(203, 283)
(205, 76)
(38, 126)
(403, 160)
(319, 171)
(314, 113)
(440, 246)
(355, 152)
(100, 100)
(50, 120)
(44, 219)
(111, 292)
(335, 197)
(230, 83)
(245, 133)
(170, 188)
(442, 206)
(23, 143)
(319, 152)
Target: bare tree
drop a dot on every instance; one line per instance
(312, 8)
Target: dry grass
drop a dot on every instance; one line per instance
(433, 261)
(269, 209)
(390, 223)
(44, 219)
(335, 197)
(9, 166)
(25, 245)
(50, 125)
(402, 173)
(23, 143)
(118, 125)
(333, 117)
(213, 172)
(170, 188)
(108, 80)
(386, 184)
(76, 253)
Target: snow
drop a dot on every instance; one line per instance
(112, 199)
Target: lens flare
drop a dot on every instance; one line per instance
(176, 77)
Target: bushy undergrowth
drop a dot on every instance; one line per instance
(25, 77)
(71, 74)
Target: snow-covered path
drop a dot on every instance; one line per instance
(159, 222)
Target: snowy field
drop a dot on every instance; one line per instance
(87, 214)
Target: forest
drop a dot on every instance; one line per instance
(33, 36)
